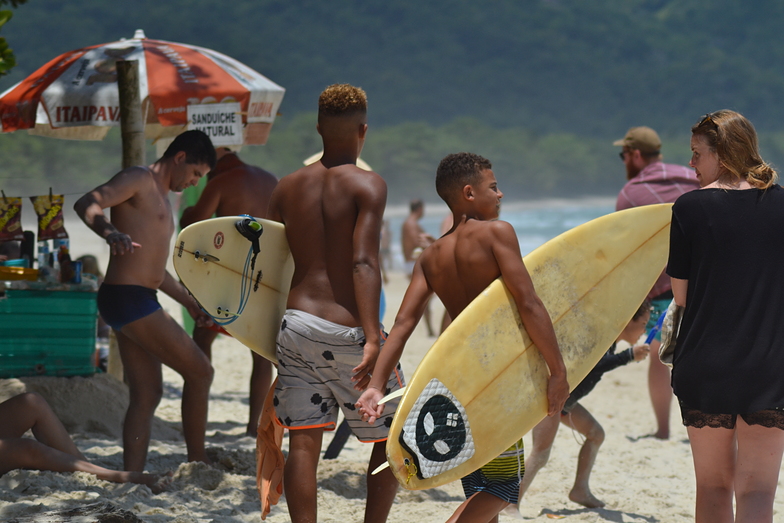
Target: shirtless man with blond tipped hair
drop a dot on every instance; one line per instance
(330, 336)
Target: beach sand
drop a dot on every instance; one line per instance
(641, 480)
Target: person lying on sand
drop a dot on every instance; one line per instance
(52, 449)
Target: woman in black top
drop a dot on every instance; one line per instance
(726, 252)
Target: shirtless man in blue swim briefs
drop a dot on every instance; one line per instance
(139, 234)
(330, 336)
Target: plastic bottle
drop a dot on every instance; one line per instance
(61, 242)
(64, 260)
(43, 253)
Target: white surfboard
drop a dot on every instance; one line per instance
(245, 294)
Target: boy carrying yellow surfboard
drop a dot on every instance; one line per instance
(457, 268)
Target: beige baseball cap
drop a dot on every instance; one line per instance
(643, 139)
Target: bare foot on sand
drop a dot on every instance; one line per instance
(585, 498)
(157, 482)
(656, 435)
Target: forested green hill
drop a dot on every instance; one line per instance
(539, 86)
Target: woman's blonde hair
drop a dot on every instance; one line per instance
(734, 140)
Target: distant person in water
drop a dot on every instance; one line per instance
(52, 449)
(385, 251)
(446, 226)
(414, 239)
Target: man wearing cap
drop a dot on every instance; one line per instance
(651, 181)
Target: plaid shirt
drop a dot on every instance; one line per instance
(657, 183)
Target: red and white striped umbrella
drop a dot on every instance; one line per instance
(75, 95)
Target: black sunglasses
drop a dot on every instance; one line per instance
(708, 118)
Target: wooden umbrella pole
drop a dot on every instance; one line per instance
(131, 119)
(132, 129)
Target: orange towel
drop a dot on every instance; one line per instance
(269, 458)
(217, 328)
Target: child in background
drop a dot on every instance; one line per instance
(457, 267)
(576, 416)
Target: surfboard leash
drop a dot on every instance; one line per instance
(411, 469)
(251, 230)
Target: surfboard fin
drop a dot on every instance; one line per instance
(205, 257)
(399, 392)
(380, 468)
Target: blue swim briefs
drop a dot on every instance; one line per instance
(120, 305)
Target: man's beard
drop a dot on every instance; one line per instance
(631, 171)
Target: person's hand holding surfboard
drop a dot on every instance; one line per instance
(201, 318)
(368, 405)
(557, 393)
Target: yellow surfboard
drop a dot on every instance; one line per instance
(483, 384)
(244, 292)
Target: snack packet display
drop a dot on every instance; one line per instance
(49, 209)
(11, 219)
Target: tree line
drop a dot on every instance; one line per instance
(528, 165)
(540, 87)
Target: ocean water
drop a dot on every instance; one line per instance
(534, 222)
